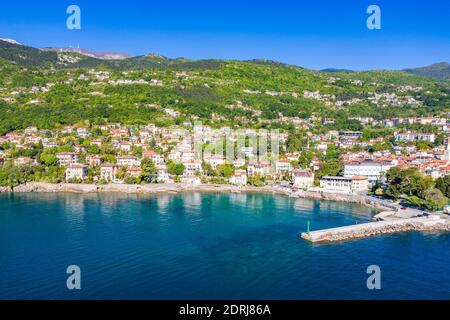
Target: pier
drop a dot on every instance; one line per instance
(389, 226)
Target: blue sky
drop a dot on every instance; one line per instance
(314, 34)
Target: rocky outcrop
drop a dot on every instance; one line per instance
(5, 189)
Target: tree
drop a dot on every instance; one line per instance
(443, 184)
(329, 168)
(333, 152)
(49, 160)
(410, 182)
(256, 180)
(225, 170)
(149, 171)
(304, 159)
(434, 199)
(418, 189)
(175, 168)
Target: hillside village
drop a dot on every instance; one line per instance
(334, 161)
(154, 120)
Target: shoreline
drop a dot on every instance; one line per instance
(173, 188)
(392, 219)
(43, 187)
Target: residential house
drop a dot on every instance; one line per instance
(302, 179)
(108, 172)
(67, 158)
(239, 178)
(94, 161)
(163, 175)
(134, 171)
(415, 136)
(258, 168)
(76, 171)
(191, 167)
(152, 155)
(128, 161)
(216, 160)
(125, 146)
(283, 165)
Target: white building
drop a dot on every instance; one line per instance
(94, 160)
(216, 160)
(82, 132)
(128, 161)
(302, 179)
(76, 171)
(239, 178)
(190, 180)
(67, 158)
(257, 168)
(108, 172)
(191, 167)
(152, 155)
(415, 136)
(343, 184)
(163, 175)
(283, 165)
(125, 146)
(373, 170)
(187, 156)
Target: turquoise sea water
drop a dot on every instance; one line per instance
(205, 246)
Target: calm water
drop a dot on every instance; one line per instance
(205, 246)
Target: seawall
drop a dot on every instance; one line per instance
(364, 230)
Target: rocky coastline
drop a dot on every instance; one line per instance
(393, 225)
(42, 187)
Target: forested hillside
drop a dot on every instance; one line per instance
(50, 89)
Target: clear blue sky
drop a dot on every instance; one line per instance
(314, 34)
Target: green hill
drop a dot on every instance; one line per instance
(438, 71)
(50, 89)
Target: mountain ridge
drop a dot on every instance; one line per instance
(16, 52)
(107, 55)
(439, 70)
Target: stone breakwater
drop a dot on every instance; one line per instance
(432, 223)
(129, 189)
